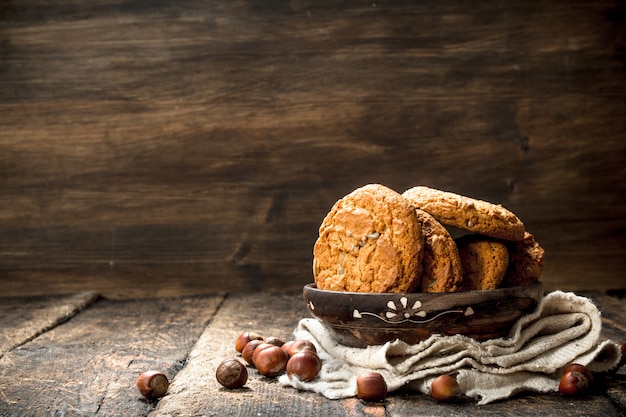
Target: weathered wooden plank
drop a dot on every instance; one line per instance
(89, 365)
(169, 139)
(195, 390)
(23, 319)
(547, 405)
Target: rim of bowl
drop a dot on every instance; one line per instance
(522, 288)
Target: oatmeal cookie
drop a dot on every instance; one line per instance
(442, 270)
(476, 216)
(484, 260)
(370, 241)
(526, 259)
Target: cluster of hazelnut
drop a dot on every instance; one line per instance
(271, 357)
(298, 358)
(576, 379)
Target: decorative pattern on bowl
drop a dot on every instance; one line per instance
(362, 319)
(404, 314)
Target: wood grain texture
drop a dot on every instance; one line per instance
(89, 365)
(544, 405)
(23, 319)
(198, 146)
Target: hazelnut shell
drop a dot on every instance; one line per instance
(371, 386)
(244, 338)
(231, 373)
(304, 365)
(152, 384)
(445, 388)
(270, 360)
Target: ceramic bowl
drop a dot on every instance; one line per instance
(363, 319)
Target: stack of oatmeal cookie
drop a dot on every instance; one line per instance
(378, 240)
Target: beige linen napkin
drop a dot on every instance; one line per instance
(565, 328)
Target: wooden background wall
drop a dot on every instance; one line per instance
(150, 148)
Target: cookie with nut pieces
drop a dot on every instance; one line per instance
(473, 215)
(442, 271)
(484, 260)
(370, 241)
(526, 259)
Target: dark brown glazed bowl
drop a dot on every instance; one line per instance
(363, 319)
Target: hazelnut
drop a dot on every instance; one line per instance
(244, 338)
(275, 341)
(294, 346)
(445, 388)
(152, 384)
(270, 360)
(371, 386)
(231, 373)
(287, 345)
(575, 380)
(261, 346)
(304, 365)
(576, 367)
(249, 349)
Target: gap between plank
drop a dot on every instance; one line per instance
(53, 316)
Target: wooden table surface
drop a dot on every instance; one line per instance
(80, 355)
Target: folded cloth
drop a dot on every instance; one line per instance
(564, 328)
